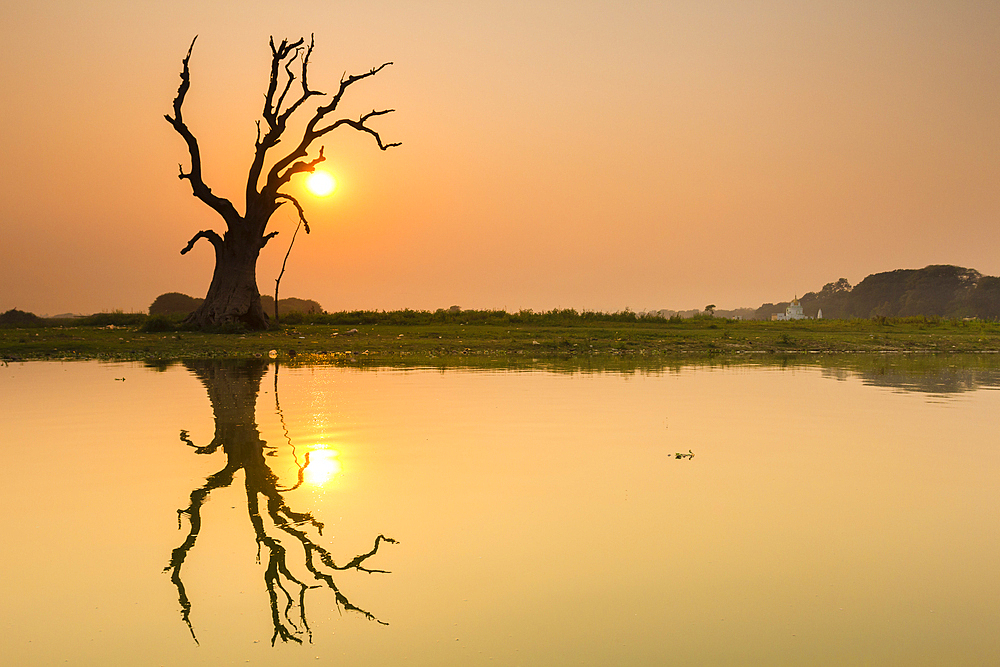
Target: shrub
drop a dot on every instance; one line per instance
(19, 318)
(158, 324)
(116, 318)
(174, 303)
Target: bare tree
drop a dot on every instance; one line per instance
(233, 296)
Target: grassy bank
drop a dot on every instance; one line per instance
(516, 339)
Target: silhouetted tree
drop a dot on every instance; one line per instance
(233, 295)
(936, 290)
(985, 300)
(832, 300)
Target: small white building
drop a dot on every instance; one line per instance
(793, 312)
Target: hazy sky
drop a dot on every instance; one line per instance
(589, 155)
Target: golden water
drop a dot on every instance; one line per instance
(540, 518)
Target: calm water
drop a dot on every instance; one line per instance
(172, 517)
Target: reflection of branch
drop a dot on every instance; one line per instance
(208, 449)
(277, 507)
(355, 564)
(275, 574)
(233, 391)
(288, 437)
(220, 479)
(301, 475)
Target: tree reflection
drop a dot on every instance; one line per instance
(232, 390)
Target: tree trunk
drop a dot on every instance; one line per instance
(233, 297)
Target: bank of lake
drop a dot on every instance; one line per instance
(636, 342)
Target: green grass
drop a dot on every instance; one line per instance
(413, 337)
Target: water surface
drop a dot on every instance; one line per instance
(171, 516)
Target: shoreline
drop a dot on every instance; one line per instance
(418, 343)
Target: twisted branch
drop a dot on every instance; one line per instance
(298, 207)
(199, 189)
(283, 57)
(212, 236)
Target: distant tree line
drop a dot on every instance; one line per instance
(19, 319)
(175, 303)
(455, 315)
(297, 311)
(169, 310)
(939, 290)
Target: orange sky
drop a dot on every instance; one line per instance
(589, 155)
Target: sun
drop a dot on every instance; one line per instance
(323, 466)
(321, 183)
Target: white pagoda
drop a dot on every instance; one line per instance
(792, 312)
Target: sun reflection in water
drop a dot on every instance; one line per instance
(323, 466)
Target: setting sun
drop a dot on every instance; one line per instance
(321, 183)
(323, 466)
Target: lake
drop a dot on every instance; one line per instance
(214, 513)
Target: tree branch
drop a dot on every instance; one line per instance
(303, 167)
(298, 207)
(361, 127)
(344, 83)
(212, 236)
(220, 205)
(304, 76)
(283, 56)
(290, 77)
(284, 169)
